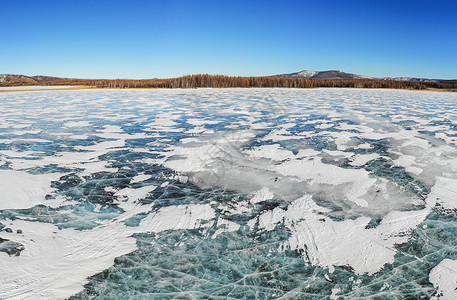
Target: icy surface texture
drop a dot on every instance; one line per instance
(228, 193)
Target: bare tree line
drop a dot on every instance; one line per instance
(221, 81)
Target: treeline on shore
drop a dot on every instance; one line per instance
(221, 81)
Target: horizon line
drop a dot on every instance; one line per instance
(215, 74)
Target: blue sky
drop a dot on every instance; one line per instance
(148, 39)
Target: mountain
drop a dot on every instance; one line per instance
(335, 74)
(331, 74)
(413, 79)
(23, 79)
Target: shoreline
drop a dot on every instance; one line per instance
(88, 87)
(85, 87)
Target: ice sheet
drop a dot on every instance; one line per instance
(338, 183)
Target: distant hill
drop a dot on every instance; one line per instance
(13, 78)
(335, 74)
(413, 79)
(331, 74)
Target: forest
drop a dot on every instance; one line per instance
(222, 81)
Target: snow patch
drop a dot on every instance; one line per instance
(444, 278)
(20, 190)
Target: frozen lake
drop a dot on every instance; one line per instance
(238, 193)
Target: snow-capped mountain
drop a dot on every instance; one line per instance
(413, 79)
(331, 74)
(335, 74)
